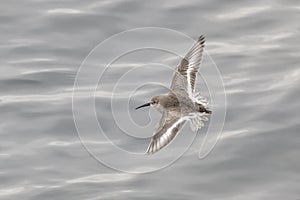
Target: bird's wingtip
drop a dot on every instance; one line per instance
(151, 149)
(148, 152)
(201, 38)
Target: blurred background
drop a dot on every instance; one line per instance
(255, 44)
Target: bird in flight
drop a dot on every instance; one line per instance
(181, 103)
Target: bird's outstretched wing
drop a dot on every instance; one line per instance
(185, 75)
(167, 128)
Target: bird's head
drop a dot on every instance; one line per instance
(153, 103)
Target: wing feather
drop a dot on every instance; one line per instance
(169, 126)
(186, 72)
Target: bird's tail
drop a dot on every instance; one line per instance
(201, 103)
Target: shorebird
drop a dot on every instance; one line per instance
(181, 103)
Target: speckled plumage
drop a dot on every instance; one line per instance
(181, 104)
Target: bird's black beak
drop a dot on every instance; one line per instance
(146, 104)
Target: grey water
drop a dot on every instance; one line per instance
(255, 45)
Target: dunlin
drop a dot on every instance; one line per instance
(181, 103)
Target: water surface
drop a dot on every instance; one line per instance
(255, 44)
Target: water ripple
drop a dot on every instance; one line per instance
(242, 12)
(102, 178)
